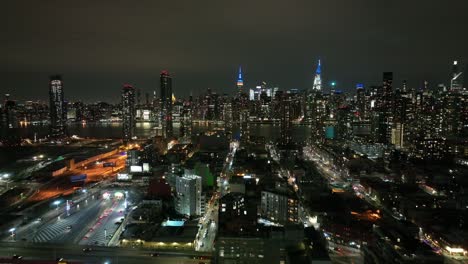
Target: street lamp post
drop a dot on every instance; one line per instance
(56, 203)
(12, 231)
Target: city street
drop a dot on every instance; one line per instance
(209, 222)
(51, 252)
(105, 225)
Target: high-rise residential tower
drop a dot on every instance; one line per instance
(128, 112)
(57, 107)
(166, 103)
(189, 195)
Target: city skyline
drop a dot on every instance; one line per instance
(355, 41)
(211, 132)
(325, 87)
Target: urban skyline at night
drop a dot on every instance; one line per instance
(246, 132)
(97, 54)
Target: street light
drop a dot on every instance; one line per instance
(12, 231)
(57, 204)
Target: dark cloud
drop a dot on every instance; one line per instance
(98, 45)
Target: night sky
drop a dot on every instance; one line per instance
(99, 45)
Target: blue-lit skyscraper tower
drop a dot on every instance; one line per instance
(318, 80)
(240, 81)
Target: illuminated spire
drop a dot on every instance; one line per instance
(318, 80)
(240, 81)
(319, 70)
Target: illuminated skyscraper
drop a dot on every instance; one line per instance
(128, 112)
(285, 118)
(318, 80)
(57, 107)
(240, 80)
(166, 104)
(385, 107)
(360, 101)
(456, 81)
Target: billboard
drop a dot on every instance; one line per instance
(136, 169)
(124, 177)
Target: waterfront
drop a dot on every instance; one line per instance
(143, 130)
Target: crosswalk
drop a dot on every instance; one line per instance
(51, 232)
(65, 228)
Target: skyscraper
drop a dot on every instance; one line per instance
(385, 110)
(128, 112)
(318, 79)
(166, 103)
(57, 107)
(240, 80)
(360, 101)
(286, 125)
(456, 81)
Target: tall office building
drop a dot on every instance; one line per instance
(286, 125)
(166, 103)
(385, 110)
(128, 112)
(456, 81)
(240, 81)
(318, 79)
(360, 101)
(189, 195)
(57, 107)
(186, 121)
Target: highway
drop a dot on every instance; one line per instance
(57, 226)
(105, 225)
(51, 252)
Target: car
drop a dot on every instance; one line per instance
(69, 227)
(59, 259)
(87, 249)
(17, 256)
(154, 254)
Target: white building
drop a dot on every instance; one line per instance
(189, 195)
